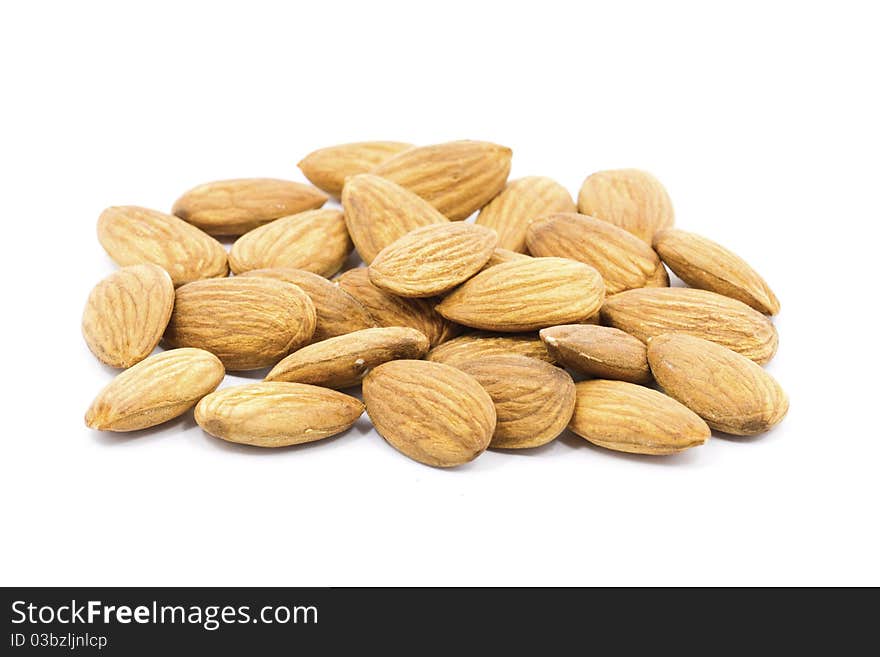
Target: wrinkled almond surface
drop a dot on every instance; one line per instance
(600, 351)
(482, 343)
(500, 256)
(327, 168)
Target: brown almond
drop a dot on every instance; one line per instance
(500, 256)
(482, 343)
(599, 351)
(327, 168)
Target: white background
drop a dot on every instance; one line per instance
(760, 118)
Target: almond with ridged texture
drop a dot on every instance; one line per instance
(276, 414)
(729, 391)
(233, 207)
(624, 261)
(378, 212)
(316, 241)
(327, 168)
(134, 236)
(483, 343)
(126, 314)
(632, 199)
(599, 351)
(155, 390)
(433, 259)
(432, 413)
(627, 417)
(650, 312)
(520, 202)
(247, 322)
(526, 295)
(703, 264)
(500, 256)
(457, 178)
(533, 399)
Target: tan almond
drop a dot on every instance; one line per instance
(650, 312)
(533, 399)
(457, 178)
(624, 261)
(316, 241)
(520, 202)
(156, 390)
(500, 256)
(483, 343)
(134, 236)
(632, 199)
(631, 418)
(703, 264)
(433, 259)
(248, 323)
(233, 207)
(327, 168)
(126, 314)
(526, 295)
(599, 351)
(729, 391)
(432, 413)
(276, 414)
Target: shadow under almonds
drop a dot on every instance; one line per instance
(172, 427)
(572, 441)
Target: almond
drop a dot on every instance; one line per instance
(433, 259)
(481, 343)
(631, 418)
(649, 312)
(327, 168)
(432, 413)
(155, 390)
(520, 202)
(127, 313)
(233, 207)
(632, 199)
(316, 241)
(276, 414)
(457, 178)
(500, 256)
(248, 323)
(135, 236)
(342, 361)
(729, 391)
(600, 351)
(703, 264)
(526, 295)
(624, 261)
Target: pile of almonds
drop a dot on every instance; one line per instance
(462, 335)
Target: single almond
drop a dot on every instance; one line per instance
(729, 391)
(457, 178)
(631, 418)
(482, 343)
(327, 168)
(433, 259)
(248, 323)
(127, 313)
(500, 256)
(134, 236)
(600, 351)
(155, 390)
(432, 413)
(276, 414)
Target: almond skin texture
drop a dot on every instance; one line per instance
(336, 311)
(133, 236)
(703, 264)
(276, 414)
(433, 259)
(481, 343)
(526, 295)
(650, 312)
(155, 390)
(523, 200)
(378, 212)
(630, 418)
(599, 351)
(390, 310)
(533, 399)
(729, 391)
(233, 207)
(342, 361)
(432, 413)
(127, 313)
(624, 261)
(631, 199)
(457, 178)
(248, 323)
(327, 168)
(316, 241)
(500, 256)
